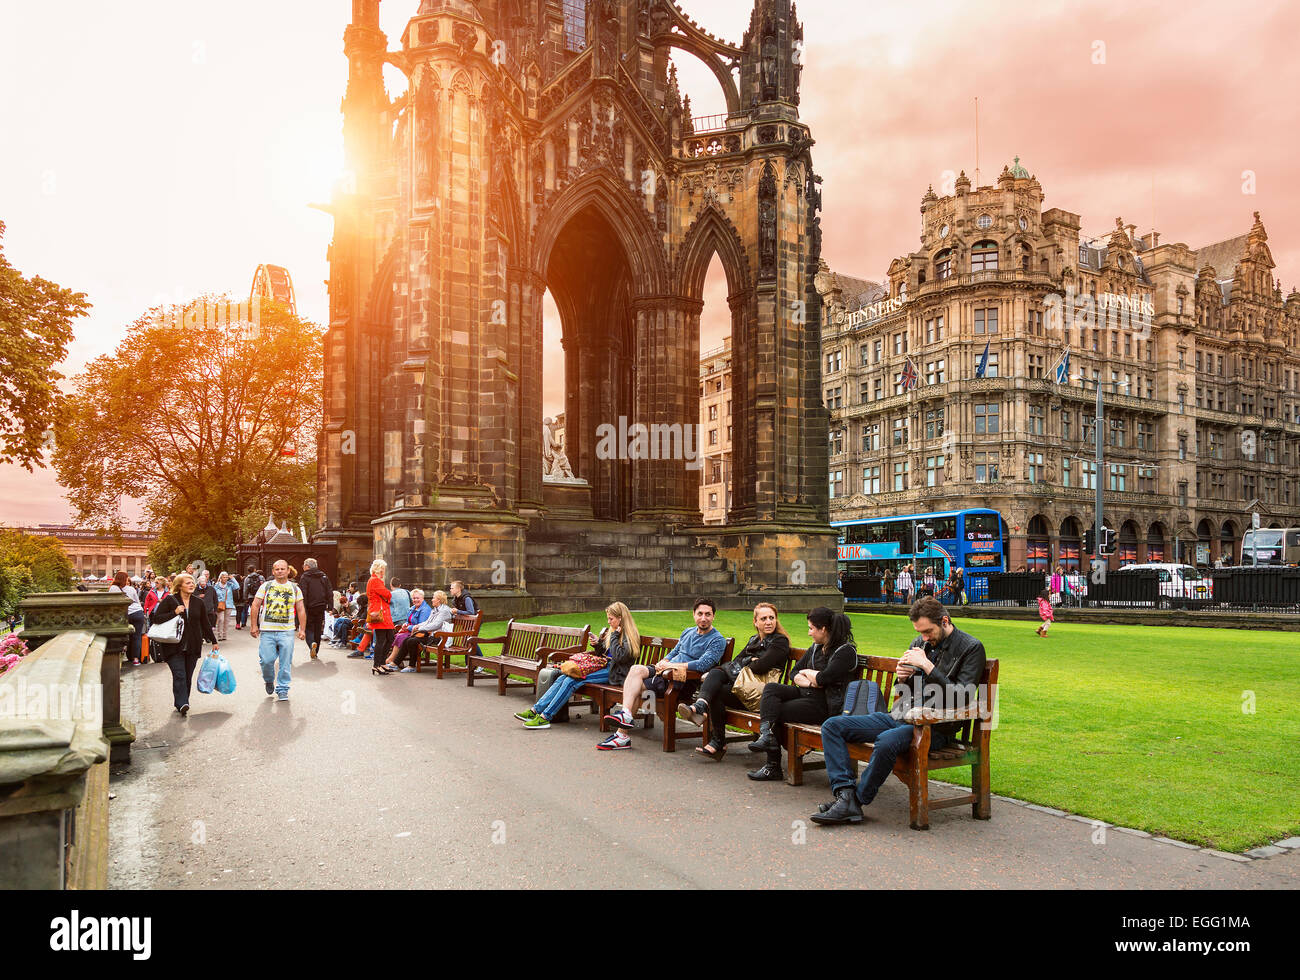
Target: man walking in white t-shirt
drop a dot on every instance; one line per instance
(272, 616)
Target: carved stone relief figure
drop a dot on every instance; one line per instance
(428, 104)
(767, 222)
(555, 464)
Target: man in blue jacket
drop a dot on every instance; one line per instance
(699, 648)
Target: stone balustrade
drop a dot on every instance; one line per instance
(54, 766)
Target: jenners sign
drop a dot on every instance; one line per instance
(869, 314)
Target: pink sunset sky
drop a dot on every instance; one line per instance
(155, 150)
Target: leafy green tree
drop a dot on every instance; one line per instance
(35, 330)
(15, 585)
(201, 421)
(47, 566)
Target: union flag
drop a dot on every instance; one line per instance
(909, 379)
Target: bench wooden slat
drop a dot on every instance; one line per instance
(524, 652)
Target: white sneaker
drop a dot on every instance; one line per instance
(620, 716)
(407, 670)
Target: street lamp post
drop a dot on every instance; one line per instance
(1097, 514)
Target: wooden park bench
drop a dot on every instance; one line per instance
(458, 643)
(748, 720)
(525, 650)
(969, 747)
(603, 697)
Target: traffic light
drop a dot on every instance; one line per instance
(1107, 541)
(1089, 542)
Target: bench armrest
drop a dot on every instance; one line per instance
(930, 716)
(441, 639)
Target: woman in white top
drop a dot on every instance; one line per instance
(134, 614)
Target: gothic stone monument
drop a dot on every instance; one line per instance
(544, 144)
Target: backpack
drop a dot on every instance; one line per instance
(860, 700)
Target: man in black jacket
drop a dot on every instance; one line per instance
(317, 594)
(208, 592)
(941, 670)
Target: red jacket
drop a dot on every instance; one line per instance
(1045, 611)
(377, 598)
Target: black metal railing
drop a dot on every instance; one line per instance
(1229, 590)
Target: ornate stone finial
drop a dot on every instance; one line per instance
(1257, 233)
(963, 183)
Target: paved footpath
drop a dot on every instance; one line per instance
(407, 781)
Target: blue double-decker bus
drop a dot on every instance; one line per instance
(970, 539)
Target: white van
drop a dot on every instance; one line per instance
(1179, 581)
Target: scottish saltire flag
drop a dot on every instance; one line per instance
(1063, 368)
(983, 364)
(909, 379)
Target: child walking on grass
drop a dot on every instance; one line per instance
(1044, 612)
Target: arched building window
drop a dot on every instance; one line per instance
(1038, 546)
(943, 264)
(1127, 552)
(1156, 543)
(1228, 542)
(1069, 545)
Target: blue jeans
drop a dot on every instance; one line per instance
(341, 627)
(891, 739)
(562, 688)
(273, 644)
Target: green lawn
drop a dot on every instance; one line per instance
(1139, 726)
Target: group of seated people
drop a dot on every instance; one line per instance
(942, 664)
(418, 619)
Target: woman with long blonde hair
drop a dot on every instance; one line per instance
(619, 643)
(764, 656)
(379, 615)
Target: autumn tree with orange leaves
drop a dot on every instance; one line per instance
(211, 421)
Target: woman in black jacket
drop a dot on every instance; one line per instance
(183, 657)
(821, 677)
(768, 649)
